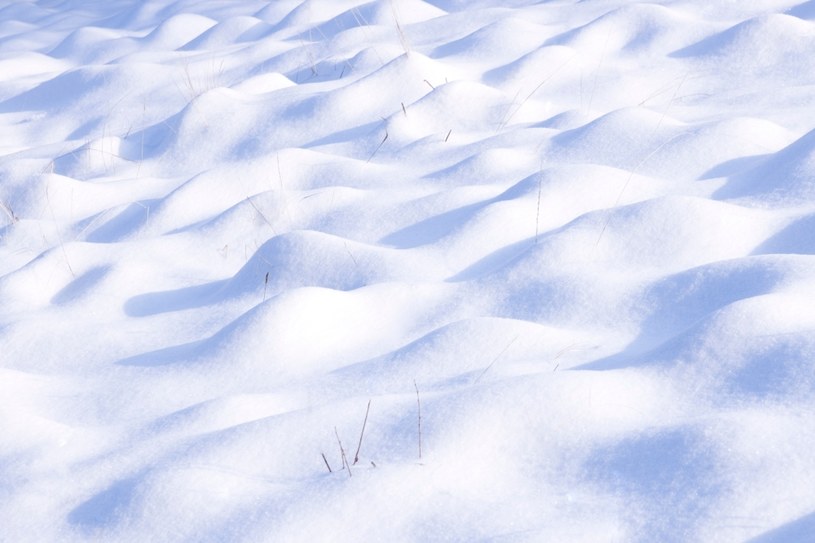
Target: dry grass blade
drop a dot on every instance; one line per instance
(362, 433)
(402, 38)
(378, 147)
(345, 464)
(262, 215)
(494, 360)
(7, 210)
(511, 112)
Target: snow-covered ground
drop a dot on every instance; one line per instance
(561, 250)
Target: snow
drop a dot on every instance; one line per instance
(564, 249)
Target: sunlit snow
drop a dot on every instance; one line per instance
(543, 268)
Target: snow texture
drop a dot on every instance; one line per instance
(565, 249)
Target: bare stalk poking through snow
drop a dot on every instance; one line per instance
(402, 38)
(419, 405)
(342, 453)
(378, 147)
(362, 433)
(326, 463)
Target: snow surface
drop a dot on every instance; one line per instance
(583, 231)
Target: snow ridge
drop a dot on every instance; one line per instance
(580, 234)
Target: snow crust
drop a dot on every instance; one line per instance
(564, 249)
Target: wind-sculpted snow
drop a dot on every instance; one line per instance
(565, 249)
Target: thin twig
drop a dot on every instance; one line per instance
(8, 211)
(279, 173)
(354, 260)
(670, 103)
(342, 453)
(403, 109)
(419, 405)
(644, 160)
(265, 284)
(381, 143)
(628, 180)
(262, 216)
(447, 137)
(326, 463)
(402, 38)
(362, 433)
(511, 113)
(494, 360)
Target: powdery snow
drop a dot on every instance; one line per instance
(582, 231)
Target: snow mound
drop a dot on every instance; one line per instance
(407, 270)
